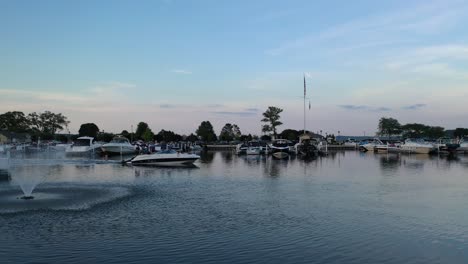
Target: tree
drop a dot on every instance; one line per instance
(206, 132)
(47, 122)
(236, 132)
(14, 122)
(148, 135)
(192, 138)
(290, 134)
(168, 136)
(88, 129)
(141, 128)
(460, 132)
(104, 136)
(435, 132)
(272, 117)
(227, 133)
(414, 130)
(389, 127)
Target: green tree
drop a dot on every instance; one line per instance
(141, 128)
(88, 129)
(206, 132)
(290, 134)
(389, 127)
(271, 116)
(14, 122)
(47, 123)
(227, 133)
(460, 132)
(435, 132)
(192, 138)
(414, 130)
(168, 136)
(148, 135)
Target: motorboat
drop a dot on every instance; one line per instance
(370, 144)
(280, 148)
(306, 147)
(464, 144)
(350, 142)
(446, 145)
(164, 158)
(119, 145)
(84, 145)
(241, 148)
(417, 146)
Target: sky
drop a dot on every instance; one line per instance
(176, 63)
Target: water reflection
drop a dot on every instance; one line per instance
(390, 163)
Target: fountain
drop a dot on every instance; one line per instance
(28, 177)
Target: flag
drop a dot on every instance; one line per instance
(304, 86)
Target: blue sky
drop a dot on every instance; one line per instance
(175, 63)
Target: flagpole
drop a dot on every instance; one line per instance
(304, 105)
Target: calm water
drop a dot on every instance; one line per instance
(348, 207)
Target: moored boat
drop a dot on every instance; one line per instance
(280, 148)
(417, 146)
(84, 145)
(165, 158)
(119, 145)
(370, 144)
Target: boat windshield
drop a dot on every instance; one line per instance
(82, 142)
(167, 151)
(119, 140)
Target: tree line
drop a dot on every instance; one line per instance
(391, 127)
(46, 125)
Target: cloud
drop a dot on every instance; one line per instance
(179, 71)
(385, 29)
(167, 106)
(252, 109)
(365, 108)
(353, 107)
(239, 113)
(414, 107)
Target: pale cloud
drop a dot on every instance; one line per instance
(414, 106)
(180, 71)
(385, 29)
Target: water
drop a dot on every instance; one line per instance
(346, 208)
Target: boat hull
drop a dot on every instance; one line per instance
(417, 150)
(118, 149)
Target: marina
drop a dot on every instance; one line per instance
(239, 208)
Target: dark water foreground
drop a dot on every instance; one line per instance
(345, 208)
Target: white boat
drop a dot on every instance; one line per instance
(446, 145)
(253, 150)
(165, 158)
(464, 144)
(417, 146)
(83, 145)
(350, 142)
(280, 148)
(241, 148)
(307, 146)
(119, 145)
(370, 144)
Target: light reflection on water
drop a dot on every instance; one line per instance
(349, 207)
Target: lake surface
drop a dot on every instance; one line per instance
(349, 207)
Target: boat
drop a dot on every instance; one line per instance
(241, 148)
(370, 144)
(84, 145)
(280, 148)
(119, 145)
(306, 147)
(417, 146)
(463, 144)
(350, 142)
(165, 158)
(446, 145)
